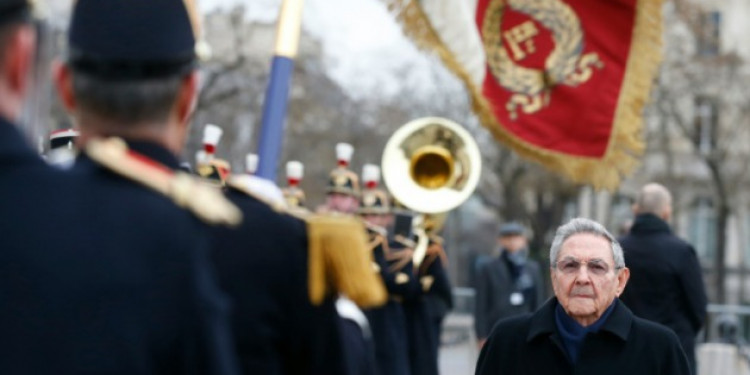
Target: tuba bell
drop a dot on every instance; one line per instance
(431, 165)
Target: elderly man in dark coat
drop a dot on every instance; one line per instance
(585, 329)
(666, 284)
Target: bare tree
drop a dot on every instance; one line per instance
(701, 102)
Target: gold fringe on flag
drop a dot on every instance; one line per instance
(625, 145)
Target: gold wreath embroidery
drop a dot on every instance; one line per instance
(565, 65)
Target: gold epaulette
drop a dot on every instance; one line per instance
(339, 261)
(185, 191)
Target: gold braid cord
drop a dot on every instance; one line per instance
(625, 145)
(340, 261)
(206, 203)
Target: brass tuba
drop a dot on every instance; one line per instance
(431, 165)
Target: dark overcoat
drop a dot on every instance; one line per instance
(388, 322)
(495, 287)
(666, 285)
(100, 275)
(263, 266)
(625, 345)
(438, 296)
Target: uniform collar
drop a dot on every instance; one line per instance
(155, 152)
(543, 321)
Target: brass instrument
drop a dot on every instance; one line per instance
(431, 165)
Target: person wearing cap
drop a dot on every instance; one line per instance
(342, 192)
(62, 150)
(390, 331)
(211, 169)
(153, 304)
(293, 194)
(412, 294)
(508, 285)
(436, 284)
(368, 335)
(263, 266)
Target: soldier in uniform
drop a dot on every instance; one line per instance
(293, 194)
(100, 271)
(210, 168)
(342, 192)
(427, 278)
(396, 269)
(342, 198)
(265, 265)
(435, 283)
(62, 148)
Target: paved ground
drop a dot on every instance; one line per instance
(458, 351)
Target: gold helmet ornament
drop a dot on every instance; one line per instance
(212, 169)
(293, 194)
(342, 180)
(374, 201)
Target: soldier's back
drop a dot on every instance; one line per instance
(101, 275)
(263, 266)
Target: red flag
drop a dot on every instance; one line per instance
(565, 80)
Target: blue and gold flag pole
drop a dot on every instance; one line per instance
(277, 92)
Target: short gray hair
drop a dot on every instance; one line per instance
(653, 199)
(129, 102)
(583, 225)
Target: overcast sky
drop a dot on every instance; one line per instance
(363, 45)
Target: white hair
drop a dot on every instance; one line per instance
(653, 199)
(583, 225)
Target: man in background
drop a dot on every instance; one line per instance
(666, 285)
(508, 285)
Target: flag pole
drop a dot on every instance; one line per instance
(277, 92)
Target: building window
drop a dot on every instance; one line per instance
(706, 118)
(702, 233)
(621, 215)
(709, 33)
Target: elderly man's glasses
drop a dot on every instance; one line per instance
(571, 266)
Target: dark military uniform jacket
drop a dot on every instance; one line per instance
(624, 345)
(262, 265)
(436, 286)
(421, 338)
(388, 322)
(99, 275)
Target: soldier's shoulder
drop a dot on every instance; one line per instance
(263, 198)
(184, 191)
